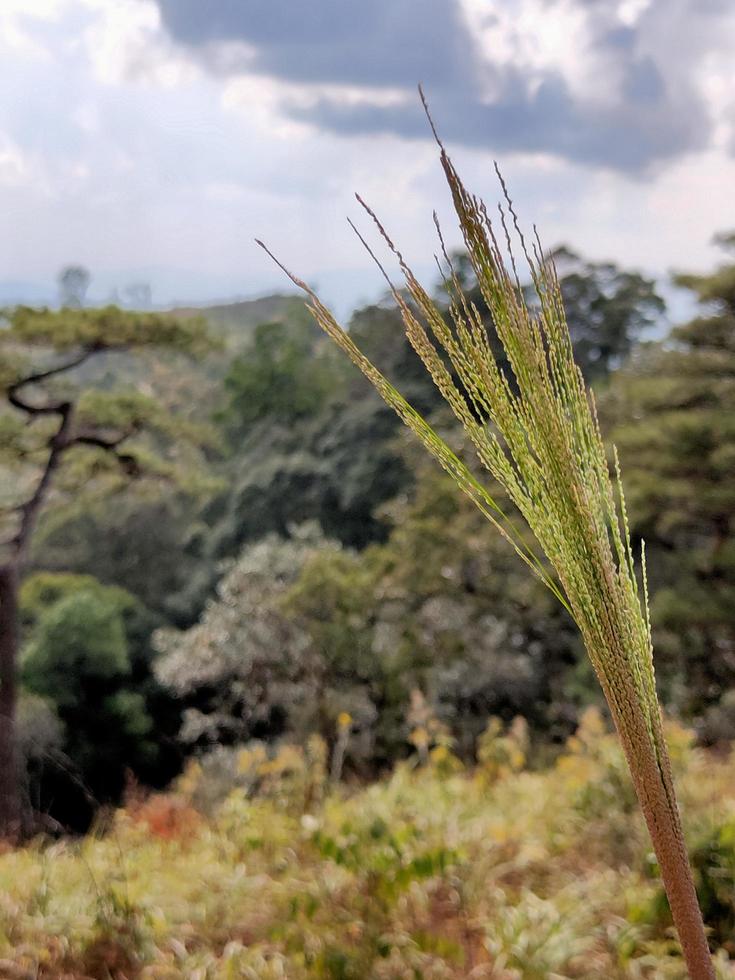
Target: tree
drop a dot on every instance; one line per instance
(147, 543)
(437, 608)
(303, 630)
(73, 285)
(81, 629)
(313, 442)
(672, 415)
(608, 308)
(87, 656)
(284, 375)
(56, 436)
(335, 467)
(244, 671)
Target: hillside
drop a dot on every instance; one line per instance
(172, 379)
(235, 321)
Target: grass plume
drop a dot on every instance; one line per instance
(538, 435)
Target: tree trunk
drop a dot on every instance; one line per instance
(10, 795)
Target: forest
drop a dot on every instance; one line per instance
(254, 620)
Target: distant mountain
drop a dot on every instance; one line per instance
(234, 322)
(173, 378)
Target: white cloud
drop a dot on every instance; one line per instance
(124, 43)
(18, 18)
(14, 167)
(534, 35)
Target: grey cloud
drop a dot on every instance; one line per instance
(368, 42)
(622, 38)
(548, 120)
(397, 43)
(644, 83)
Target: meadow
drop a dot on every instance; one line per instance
(256, 865)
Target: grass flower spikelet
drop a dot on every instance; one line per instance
(537, 434)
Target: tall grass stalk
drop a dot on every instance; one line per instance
(537, 434)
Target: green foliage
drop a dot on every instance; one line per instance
(335, 467)
(108, 328)
(441, 609)
(283, 376)
(12, 437)
(378, 330)
(45, 589)
(130, 711)
(87, 664)
(713, 860)
(61, 429)
(81, 637)
(718, 288)
(144, 539)
(336, 463)
(243, 670)
(128, 409)
(303, 630)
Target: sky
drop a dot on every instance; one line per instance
(153, 140)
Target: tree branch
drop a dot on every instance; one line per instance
(58, 445)
(51, 408)
(129, 464)
(62, 440)
(109, 444)
(29, 510)
(92, 438)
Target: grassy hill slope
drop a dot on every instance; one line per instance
(434, 873)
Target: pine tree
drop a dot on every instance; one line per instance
(60, 432)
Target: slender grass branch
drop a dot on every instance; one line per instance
(537, 434)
